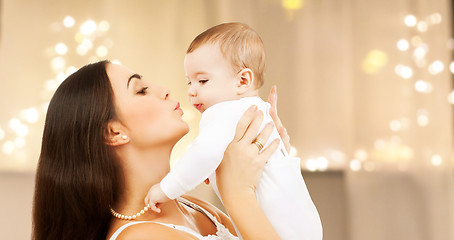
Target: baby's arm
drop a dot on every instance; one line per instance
(154, 196)
(200, 160)
(196, 165)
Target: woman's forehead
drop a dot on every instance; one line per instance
(118, 74)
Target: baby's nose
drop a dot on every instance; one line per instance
(192, 92)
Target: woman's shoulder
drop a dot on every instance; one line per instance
(218, 214)
(152, 231)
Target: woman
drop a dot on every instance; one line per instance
(107, 138)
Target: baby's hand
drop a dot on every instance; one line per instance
(155, 195)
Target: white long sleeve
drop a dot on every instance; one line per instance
(216, 131)
(281, 192)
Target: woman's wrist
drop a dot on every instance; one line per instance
(232, 196)
(249, 217)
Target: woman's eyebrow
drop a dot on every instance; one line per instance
(135, 75)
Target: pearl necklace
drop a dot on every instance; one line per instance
(126, 217)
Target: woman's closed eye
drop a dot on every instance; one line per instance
(143, 91)
(203, 81)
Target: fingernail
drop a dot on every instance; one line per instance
(253, 108)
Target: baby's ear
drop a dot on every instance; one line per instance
(245, 80)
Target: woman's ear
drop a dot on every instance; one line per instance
(116, 136)
(245, 80)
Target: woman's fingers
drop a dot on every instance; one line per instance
(285, 138)
(263, 136)
(269, 150)
(244, 123)
(253, 129)
(272, 100)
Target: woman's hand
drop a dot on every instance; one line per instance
(272, 99)
(239, 172)
(242, 165)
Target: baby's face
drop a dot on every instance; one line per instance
(210, 77)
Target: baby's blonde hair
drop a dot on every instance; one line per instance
(239, 44)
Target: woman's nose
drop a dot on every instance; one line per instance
(166, 93)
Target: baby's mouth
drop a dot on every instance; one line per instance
(198, 106)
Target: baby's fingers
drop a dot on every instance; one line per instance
(147, 199)
(154, 208)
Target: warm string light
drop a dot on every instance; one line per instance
(393, 150)
(13, 138)
(397, 151)
(291, 6)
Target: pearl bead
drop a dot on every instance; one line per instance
(126, 217)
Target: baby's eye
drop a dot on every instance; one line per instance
(143, 91)
(189, 83)
(203, 81)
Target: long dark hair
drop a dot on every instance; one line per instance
(78, 175)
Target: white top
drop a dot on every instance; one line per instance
(216, 131)
(222, 233)
(281, 192)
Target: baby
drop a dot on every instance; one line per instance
(224, 66)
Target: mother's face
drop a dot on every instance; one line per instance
(145, 112)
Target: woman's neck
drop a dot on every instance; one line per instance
(142, 169)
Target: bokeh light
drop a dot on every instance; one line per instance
(422, 26)
(104, 26)
(88, 27)
(101, 51)
(70, 70)
(422, 117)
(68, 21)
(435, 18)
(375, 60)
(8, 147)
(436, 160)
(410, 20)
(402, 45)
(451, 67)
(423, 86)
(61, 49)
(58, 64)
(293, 151)
(292, 4)
(451, 97)
(436, 67)
(361, 155)
(30, 115)
(415, 41)
(51, 85)
(355, 165)
(395, 125)
(404, 71)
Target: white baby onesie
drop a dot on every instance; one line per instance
(282, 192)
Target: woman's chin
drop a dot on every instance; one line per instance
(183, 131)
